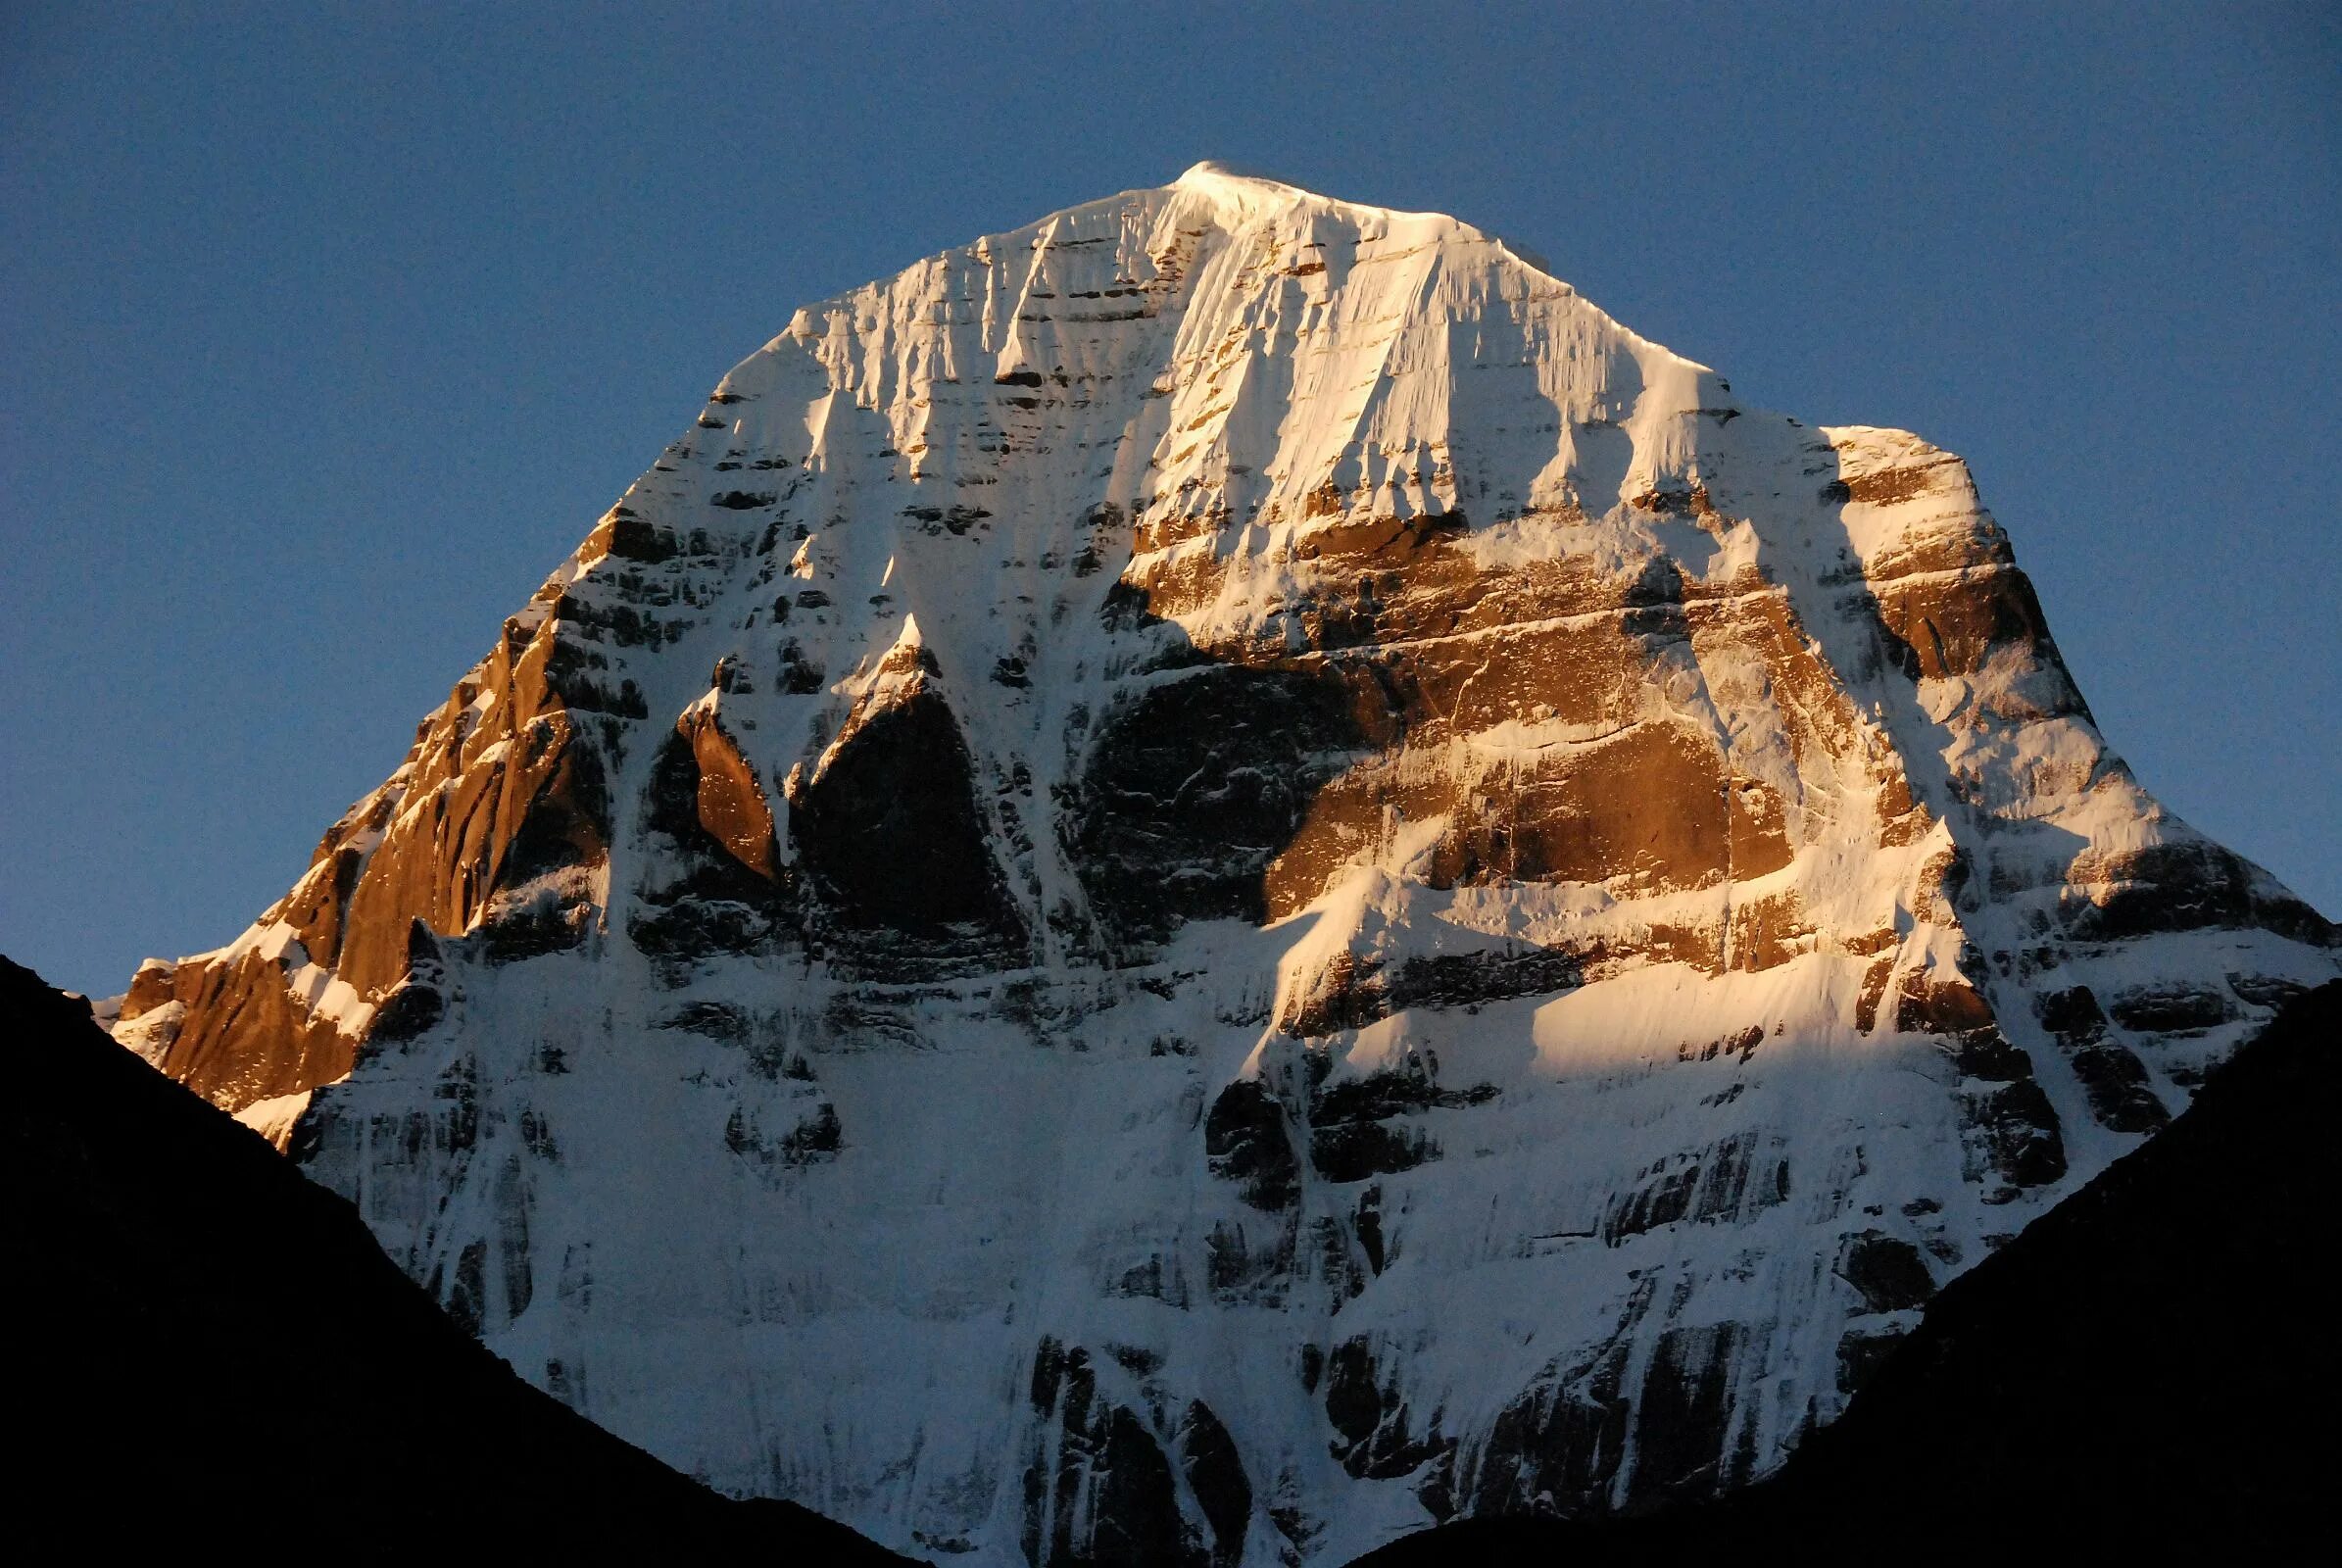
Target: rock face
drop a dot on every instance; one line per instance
(2126, 1380)
(1224, 875)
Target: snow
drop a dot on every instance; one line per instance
(273, 1117)
(151, 1032)
(1022, 1153)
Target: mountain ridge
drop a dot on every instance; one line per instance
(178, 1388)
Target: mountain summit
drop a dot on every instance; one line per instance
(1224, 876)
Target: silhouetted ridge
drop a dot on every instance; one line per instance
(2144, 1369)
(211, 1349)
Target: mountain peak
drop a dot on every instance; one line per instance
(1151, 833)
(1212, 171)
(1247, 194)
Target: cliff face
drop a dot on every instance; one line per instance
(1226, 873)
(2125, 1379)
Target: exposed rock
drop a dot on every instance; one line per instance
(2113, 1426)
(1373, 1435)
(1886, 1271)
(1682, 1419)
(887, 826)
(1247, 1141)
(1861, 1351)
(1733, 1179)
(1193, 787)
(1100, 1490)
(1220, 664)
(2119, 1093)
(1216, 1474)
(729, 801)
(1352, 1135)
(1563, 1438)
(2179, 886)
(2169, 1009)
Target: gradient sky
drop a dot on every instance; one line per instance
(326, 333)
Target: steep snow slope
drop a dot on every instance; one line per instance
(1226, 873)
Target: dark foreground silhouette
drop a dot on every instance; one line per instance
(2148, 1368)
(208, 1349)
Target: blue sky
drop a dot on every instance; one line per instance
(329, 330)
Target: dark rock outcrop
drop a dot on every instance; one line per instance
(888, 828)
(1194, 786)
(1099, 1490)
(1245, 1139)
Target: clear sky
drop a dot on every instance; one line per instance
(326, 333)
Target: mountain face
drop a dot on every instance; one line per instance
(2127, 1378)
(210, 1350)
(1223, 877)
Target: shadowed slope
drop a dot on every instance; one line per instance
(210, 1349)
(2140, 1370)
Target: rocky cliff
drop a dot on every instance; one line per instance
(1224, 876)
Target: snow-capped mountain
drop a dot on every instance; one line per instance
(1222, 877)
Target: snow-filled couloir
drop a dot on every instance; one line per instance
(1223, 877)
